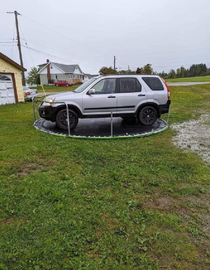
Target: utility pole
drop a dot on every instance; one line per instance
(19, 45)
(114, 62)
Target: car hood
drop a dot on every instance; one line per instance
(63, 96)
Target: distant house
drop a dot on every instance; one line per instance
(11, 89)
(51, 72)
(89, 76)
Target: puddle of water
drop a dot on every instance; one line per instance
(194, 135)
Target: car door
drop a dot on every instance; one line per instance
(130, 94)
(103, 101)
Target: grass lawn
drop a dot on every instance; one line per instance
(97, 204)
(190, 79)
(52, 88)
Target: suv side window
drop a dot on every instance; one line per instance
(106, 86)
(154, 83)
(129, 85)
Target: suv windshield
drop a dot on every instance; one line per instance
(83, 86)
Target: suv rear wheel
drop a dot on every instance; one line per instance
(147, 116)
(61, 119)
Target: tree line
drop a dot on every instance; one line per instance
(147, 69)
(193, 71)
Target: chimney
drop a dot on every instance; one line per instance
(48, 71)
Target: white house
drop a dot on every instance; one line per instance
(51, 72)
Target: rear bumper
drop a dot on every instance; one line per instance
(30, 97)
(165, 108)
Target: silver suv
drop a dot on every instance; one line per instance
(144, 97)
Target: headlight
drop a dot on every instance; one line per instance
(48, 102)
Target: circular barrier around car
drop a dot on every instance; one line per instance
(103, 128)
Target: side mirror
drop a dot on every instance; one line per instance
(91, 91)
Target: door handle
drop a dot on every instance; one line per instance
(141, 95)
(111, 97)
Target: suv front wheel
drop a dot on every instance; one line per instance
(61, 119)
(147, 116)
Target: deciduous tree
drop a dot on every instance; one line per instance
(33, 76)
(147, 69)
(106, 71)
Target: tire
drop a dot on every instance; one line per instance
(61, 119)
(67, 85)
(147, 116)
(56, 85)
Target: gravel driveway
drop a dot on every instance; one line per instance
(194, 135)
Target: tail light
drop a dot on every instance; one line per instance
(168, 90)
(27, 93)
(36, 92)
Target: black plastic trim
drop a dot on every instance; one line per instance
(165, 107)
(109, 108)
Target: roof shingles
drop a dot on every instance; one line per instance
(65, 68)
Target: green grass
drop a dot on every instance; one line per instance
(116, 204)
(190, 79)
(52, 88)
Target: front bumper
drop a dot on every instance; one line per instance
(48, 112)
(165, 108)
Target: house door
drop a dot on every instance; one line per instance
(7, 94)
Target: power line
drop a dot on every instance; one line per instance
(10, 45)
(28, 41)
(48, 54)
(51, 55)
(8, 42)
(27, 47)
(13, 40)
(6, 39)
(66, 36)
(55, 49)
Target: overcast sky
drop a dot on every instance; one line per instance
(165, 33)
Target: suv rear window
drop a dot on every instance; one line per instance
(153, 83)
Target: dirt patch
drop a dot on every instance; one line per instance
(163, 203)
(190, 207)
(206, 223)
(28, 168)
(198, 200)
(194, 135)
(8, 220)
